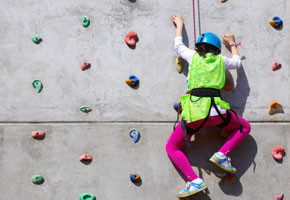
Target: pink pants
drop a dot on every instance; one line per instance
(176, 141)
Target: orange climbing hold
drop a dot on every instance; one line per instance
(229, 85)
(223, 1)
(131, 38)
(276, 66)
(230, 179)
(38, 134)
(275, 107)
(278, 152)
(225, 133)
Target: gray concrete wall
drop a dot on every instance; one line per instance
(115, 157)
(66, 44)
(117, 107)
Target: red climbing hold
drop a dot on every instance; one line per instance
(278, 152)
(85, 65)
(276, 66)
(131, 38)
(86, 158)
(38, 134)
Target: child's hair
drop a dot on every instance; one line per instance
(204, 48)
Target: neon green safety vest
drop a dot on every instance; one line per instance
(208, 72)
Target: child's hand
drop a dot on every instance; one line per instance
(177, 20)
(229, 39)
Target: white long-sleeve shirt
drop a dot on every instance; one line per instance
(187, 54)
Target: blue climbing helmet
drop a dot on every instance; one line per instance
(209, 38)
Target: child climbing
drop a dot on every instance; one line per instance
(202, 105)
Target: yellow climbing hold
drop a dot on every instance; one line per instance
(178, 63)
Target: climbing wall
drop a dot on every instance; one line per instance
(116, 107)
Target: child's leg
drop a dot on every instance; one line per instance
(236, 137)
(173, 146)
(176, 141)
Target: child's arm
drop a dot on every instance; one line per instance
(234, 62)
(179, 46)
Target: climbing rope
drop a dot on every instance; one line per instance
(194, 28)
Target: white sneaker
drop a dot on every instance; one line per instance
(223, 162)
(192, 187)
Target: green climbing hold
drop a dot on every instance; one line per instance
(85, 109)
(36, 39)
(87, 196)
(37, 85)
(85, 21)
(37, 179)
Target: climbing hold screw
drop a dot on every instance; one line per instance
(276, 22)
(278, 152)
(37, 179)
(275, 107)
(37, 85)
(85, 65)
(229, 85)
(87, 196)
(230, 179)
(132, 81)
(85, 109)
(276, 66)
(279, 197)
(131, 38)
(135, 178)
(86, 158)
(36, 39)
(38, 134)
(85, 21)
(178, 63)
(135, 135)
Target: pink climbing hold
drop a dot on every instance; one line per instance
(278, 152)
(276, 66)
(131, 38)
(38, 134)
(85, 65)
(279, 197)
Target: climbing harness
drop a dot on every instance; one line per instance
(205, 92)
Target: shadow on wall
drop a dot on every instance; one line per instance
(186, 43)
(237, 98)
(206, 143)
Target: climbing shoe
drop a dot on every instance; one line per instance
(223, 162)
(192, 187)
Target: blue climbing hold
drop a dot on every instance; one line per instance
(132, 81)
(175, 106)
(135, 178)
(135, 135)
(276, 22)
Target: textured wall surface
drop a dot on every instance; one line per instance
(115, 157)
(116, 108)
(66, 44)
